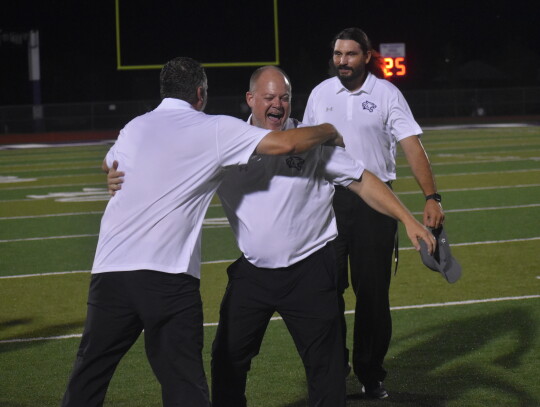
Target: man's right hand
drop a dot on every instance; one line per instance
(114, 179)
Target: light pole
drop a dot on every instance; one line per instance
(34, 74)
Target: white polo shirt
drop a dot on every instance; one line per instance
(174, 159)
(280, 207)
(371, 120)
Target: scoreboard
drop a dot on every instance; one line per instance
(393, 55)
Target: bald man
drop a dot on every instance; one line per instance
(280, 210)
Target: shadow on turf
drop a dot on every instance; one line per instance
(49, 331)
(14, 322)
(456, 358)
(449, 361)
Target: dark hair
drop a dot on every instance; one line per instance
(259, 71)
(376, 63)
(180, 78)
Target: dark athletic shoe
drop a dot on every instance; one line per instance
(375, 390)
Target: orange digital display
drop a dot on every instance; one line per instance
(394, 67)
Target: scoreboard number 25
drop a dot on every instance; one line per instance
(394, 59)
(394, 66)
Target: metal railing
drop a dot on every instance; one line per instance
(425, 104)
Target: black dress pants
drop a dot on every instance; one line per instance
(120, 305)
(305, 295)
(366, 239)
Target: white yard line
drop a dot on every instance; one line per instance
(479, 160)
(461, 174)
(45, 145)
(488, 208)
(82, 184)
(52, 215)
(232, 260)
(526, 239)
(472, 189)
(466, 302)
(404, 177)
(477, 126)
(66, 168)
(405, 307)
(397, 193)
(214, 223)
(48, 165)
(98, 173)
(209, 223)
(56, 273)
(29, 239)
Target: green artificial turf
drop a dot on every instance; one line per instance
(472, 343)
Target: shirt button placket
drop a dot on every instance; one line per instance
(350, 103)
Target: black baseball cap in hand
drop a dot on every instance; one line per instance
(441, 260)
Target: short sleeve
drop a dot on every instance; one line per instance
(340, 167)
(401, 120)
(236, 140)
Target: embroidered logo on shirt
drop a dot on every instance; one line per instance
(329, 109)
(295, 162)
(369, 106)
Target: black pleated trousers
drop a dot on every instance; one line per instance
(121, 305)
(305, 295)
(366, 240)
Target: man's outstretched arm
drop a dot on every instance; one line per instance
(292, 141)
(298, 140)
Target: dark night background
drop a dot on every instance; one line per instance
(450, 45)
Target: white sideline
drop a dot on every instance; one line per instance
(403, 177)
(471, 189)
(208, 223)
(528, 239)
(460, 174)
(436, 305)
(399, 193)
(213, 223)
(487, 208)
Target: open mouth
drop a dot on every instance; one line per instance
(274, 117)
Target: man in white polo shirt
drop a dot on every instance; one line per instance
(373, 116)
(146, 268)
(280, 210)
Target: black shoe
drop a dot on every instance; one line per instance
(375, 390)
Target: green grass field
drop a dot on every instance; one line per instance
(472, 343)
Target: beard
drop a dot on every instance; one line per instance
(350, 78)
(354, 74)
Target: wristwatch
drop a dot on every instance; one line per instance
(434, 196)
